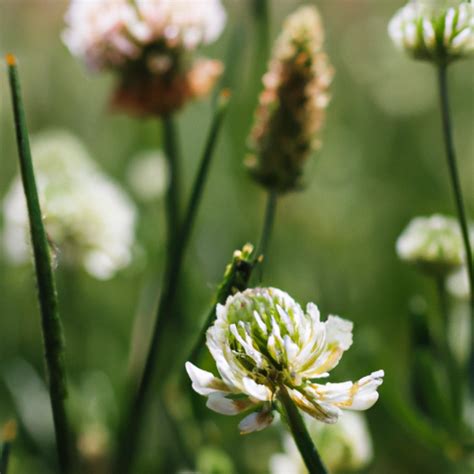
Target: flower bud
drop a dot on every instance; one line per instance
(439, 31)
(292, 104)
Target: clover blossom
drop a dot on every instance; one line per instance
(89, 219)
(149, 44)
(434, 31)
(345, 446)
(262, 342)
(292, 104)
(433, 243)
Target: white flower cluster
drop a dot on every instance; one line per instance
(89, 218)
(433, 243)
(109, 33)
(262, 342)
(344, 446)
(436, 32)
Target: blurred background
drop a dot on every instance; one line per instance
(381, 164)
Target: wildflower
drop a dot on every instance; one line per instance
(344, 446)
(147, 174)
(292, 104)
(433, 243)
(262, 341)
(434, 31)
(88, 217)
(149, 44)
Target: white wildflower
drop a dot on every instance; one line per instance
(89, 218)
(263, 341)
(433, 243)
(148, 43)
(147, 174)
(434, 31)
(108, 33)
(344, 446)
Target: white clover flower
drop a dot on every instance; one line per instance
(88, 217)
(148, 43)
(188, 23)
(98, 31)
(434, 31)
(108, 33)
(433, 243)
(344, 446)
(147, 174)
(262, 341)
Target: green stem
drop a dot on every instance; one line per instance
(131, 428)
(173, 193)
(454, 373)
(456, 186)
(268, 221)
(5, 457)
(51, 324)
(261, 12)
(298, 429)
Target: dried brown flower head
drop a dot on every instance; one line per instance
(292, 105)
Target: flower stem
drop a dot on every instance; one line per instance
(268, 221)
(452, 365)
(170, 146)
(456, 186)
(130, 430)
(51, 324)
(298, 429)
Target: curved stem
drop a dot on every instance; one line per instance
(298, 429)
(178, 240)
(53, 339)
(456, 186)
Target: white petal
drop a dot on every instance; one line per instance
(429, 35)
(313, 312)
(257, 391)
(339, 331)
(324, 412)
(256, 421)
(225, 406)
(204, 382)
(360, 395)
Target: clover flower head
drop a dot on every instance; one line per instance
(262, 341)
(89, 218)
(292, 105)
(344, 446)
(439, 31)
(433, 243)
(149, 44)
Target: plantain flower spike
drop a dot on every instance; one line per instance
(292, 105)
(440, 31)
(262, 341)
(150, 45)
